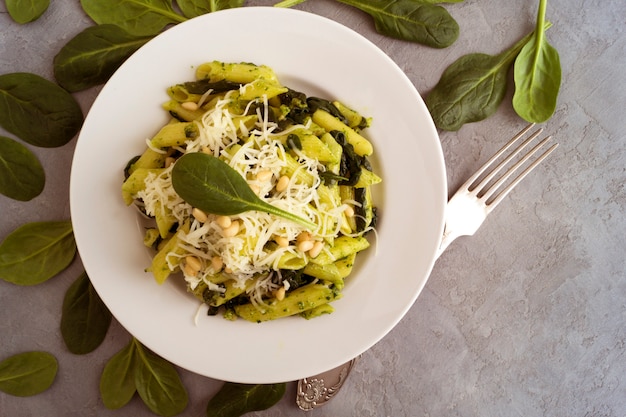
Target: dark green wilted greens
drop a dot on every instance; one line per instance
(28, 373)
(411, 20)
(136, 369)
(193, 8)
(26, 11)
(234, 400)
(85, 319)
(38, 111)
(537, 74)
(21, 175)
(92, 56)
(210, 184)
(35, 252)
(139, 17)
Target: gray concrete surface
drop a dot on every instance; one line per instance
(525, 318)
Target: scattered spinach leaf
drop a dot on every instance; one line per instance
(158, 383)
(35, 252)
(537, 75)
(210, 184)
(138, 17)
(117, 383)
(411, 20)
(471, 88)
(21, 175)
(28, 373)
(193, 8)
(26, 11)
(234, 400)
(38, 111)
(85, 319)
(92, 56)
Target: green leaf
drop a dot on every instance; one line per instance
(471, 88)
(411, 20)
(210, 184)
(234, 400)
(21, 175)
(85, 319)
(139, 17)
(92, 56)
(117, 383)
(158, 383)
(35, 252)
(38, 111)
(25, 11)
(27, 373)
(193, 8)
(537, 75)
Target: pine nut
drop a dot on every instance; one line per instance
(231, 230)
(264, 175)
(305, 245)
(228, 270)
(349, 211)
(199, 215)
(193, 263)
(217, 263)
(280, 294)
(223, 221)
(316, 249)
(282, 183)
(189, 105)
(282, 241)
(304, 236)
(189, 271)
(169, 161)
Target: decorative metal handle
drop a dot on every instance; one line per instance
(315, 391)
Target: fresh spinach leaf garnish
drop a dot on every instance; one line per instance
(28, 373)
(471, 88)
(117, 382)
(138, 17)
(38, 111)
(35, 252)
(93, 55)
(234, 400)
(136, 369)
(21, 175)
(26, 11)
(85, 319)
(411, 20)
(210, 184)
(537, 74)
(193, 8)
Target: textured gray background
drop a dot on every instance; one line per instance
(524, 318)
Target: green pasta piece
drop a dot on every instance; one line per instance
(174, 134)
(137, 182)
(295, 302)
(234, 72)
(317, 311)
(329, 122)
(344, 246)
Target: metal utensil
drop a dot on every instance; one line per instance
(465, 212)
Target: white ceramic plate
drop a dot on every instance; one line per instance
(311, 54)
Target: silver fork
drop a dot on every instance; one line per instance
(465, 212)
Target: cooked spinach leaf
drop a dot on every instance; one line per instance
(28, 373)
(117, 382)
(92, 56)
(35, 252)
(537, 74)
(21, 175)
(193, 8)
(234, 400)
(210, 184)
(411, 20)
(85, 319)
(139, 17)
(38, 111)
(26, 11)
